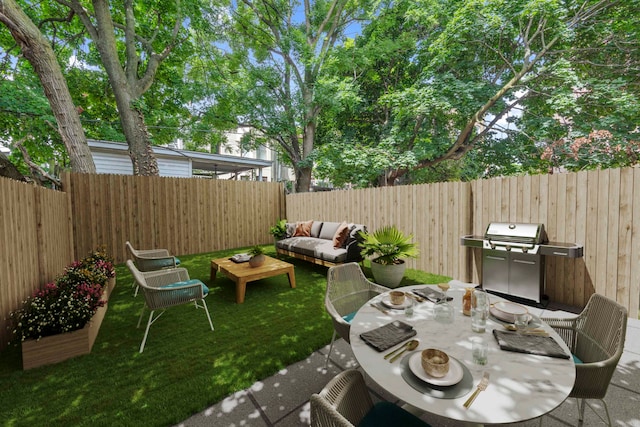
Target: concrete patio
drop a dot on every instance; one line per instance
(282, 400)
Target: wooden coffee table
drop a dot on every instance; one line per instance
(241, 273)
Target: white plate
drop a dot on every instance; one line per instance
(454, 376)
(506, 310)
(387, 302)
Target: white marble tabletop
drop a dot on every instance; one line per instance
(522, 386)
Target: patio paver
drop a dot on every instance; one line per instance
(282, 399)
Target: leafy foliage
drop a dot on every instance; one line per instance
(388, 244)
(67, 304)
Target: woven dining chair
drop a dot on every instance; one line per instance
(151, 260)
(596, 339)
(348, 289)
(168, 288)
(345, 402)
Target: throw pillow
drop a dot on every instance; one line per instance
(303, 228)
(341, 235)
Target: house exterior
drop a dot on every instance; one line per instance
(113, 158)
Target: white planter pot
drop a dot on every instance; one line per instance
(388, 275)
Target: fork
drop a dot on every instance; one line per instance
(484, 382)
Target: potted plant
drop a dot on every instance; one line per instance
(279, 230)
(389, 246)
(257, 256)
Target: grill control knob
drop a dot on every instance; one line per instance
(493, 245)
(508, 248)
(525, 250)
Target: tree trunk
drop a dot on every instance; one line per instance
(133, 126)
(39, 53)
(303, 173)
(303, 179)
(126, 86)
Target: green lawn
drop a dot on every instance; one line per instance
(185, 367)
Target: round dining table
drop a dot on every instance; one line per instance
(521, 386)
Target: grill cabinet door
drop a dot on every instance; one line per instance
(526, 276)
(495, 270)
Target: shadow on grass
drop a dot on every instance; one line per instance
(185, 366)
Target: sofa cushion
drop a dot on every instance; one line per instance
(315, 228)
(303, 228)
(329, 230)
(301, 245)
(325, 251)
(340, 238)
(291, 228)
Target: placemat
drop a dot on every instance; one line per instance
(442, 392)
(388, 335)
(530, 344)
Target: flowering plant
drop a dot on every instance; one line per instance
(66, 304)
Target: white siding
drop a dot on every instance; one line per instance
(120, 164)
(115, 163)
(175, 167)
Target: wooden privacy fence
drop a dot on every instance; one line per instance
(184, 215)
(44, 230)
(598, 209)
(35, 243)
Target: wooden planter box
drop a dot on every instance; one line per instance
(56, 348)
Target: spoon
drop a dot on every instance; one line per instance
(411, 345)
(391, 353)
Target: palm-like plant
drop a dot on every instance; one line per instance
(389, 244)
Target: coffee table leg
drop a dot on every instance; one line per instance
(292, 277)
(241, 288)
(214, 271)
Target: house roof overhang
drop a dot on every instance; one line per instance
(217, 163)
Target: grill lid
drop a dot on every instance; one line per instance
(532, 234)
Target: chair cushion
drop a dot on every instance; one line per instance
(205, 290)
(349, 317)
(386, 414)
(158, 264)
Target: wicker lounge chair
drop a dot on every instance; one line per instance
(167, 288)
(596, 339)
(151, 259)
(347, 290)
(345, 402)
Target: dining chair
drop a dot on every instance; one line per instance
(151, 259)
(348, 289)
(345, 402)
(168, 288)
(596, 339)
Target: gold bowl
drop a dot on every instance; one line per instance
(435, 362)
(397, 297)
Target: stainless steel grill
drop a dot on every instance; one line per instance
(513, 256)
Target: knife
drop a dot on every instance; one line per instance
(379, 308)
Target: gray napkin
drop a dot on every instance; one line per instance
(388, 335)
(530, 344)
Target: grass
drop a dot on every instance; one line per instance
(185, 367)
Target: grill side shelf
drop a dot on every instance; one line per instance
(566, 250)
(472, 241)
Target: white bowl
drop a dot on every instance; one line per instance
(506, 310)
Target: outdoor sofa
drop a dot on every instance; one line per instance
(322, 242)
